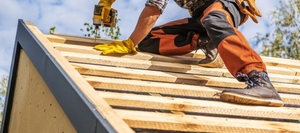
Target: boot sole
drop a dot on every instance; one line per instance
(217, 63)
(245, 99)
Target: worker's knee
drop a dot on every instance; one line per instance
(218, 26)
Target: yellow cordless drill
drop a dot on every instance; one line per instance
(104, 16)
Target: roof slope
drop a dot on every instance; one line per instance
(174, 93)
(149, 92)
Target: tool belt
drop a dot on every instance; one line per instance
(200, 6)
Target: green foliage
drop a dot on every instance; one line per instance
(52, 30)
(114, 32)
(3, 87)
(284, 42)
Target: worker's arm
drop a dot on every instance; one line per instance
(145, 23)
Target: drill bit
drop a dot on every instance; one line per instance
(96, 32)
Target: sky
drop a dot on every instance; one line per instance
(69, 16)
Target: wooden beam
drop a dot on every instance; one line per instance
(99, 103)
(168, 89)
(269, 61)
(193, 123)
(71, 39)
(78, 40)
(296, 70)
(154, 57)
(172, 67)
(159, 75)
(203, 70)
(198, 106)
(139, 55)
(153, 87)
(138, 74)
(140, 64)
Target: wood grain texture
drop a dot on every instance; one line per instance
(138, 74)
(153, 87)
(181, 68)
(168, 89)
(185, 59)
(269, 61)
(191, 123)
(198, 106)
(71, 39)
(34, 107)
(78, 40)
(99, 103)
(161, 75)
(139, 55)
(140, 64)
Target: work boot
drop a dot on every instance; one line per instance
(213, 58)
(259, 91)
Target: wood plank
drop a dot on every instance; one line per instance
(281, 63)
(281, 78)
(89, 41)
(172, 67)
(281, 71)
(34, 107)
(198, 106)
(203, 70)
(193, 123)
(269, 61)
(272, 70)
(137, 74)
(169, 89)
(296, 70)
(159, 75)
(140, 64)
(139, 55)
(160, 58)
(78, 40)
(99, 103)
(71, 39)
(153, 87)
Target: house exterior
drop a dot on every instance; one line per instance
(59, 83)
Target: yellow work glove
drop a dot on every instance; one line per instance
(107, 5)
(252, 11)
(123, 47)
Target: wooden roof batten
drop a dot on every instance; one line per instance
(176, 84)
(153, 93)
(86, 110)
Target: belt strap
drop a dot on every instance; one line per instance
(199, 4)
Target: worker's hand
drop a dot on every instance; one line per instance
(249, 11)
(124, 47)
(106, 3)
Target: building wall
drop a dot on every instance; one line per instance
(35, 109)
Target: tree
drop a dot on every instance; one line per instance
(284, 42)
(3, 87)
(52, 30)
(114, 32)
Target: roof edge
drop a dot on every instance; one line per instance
(82, 113)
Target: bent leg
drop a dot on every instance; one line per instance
(233, 47)
(173, 38)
